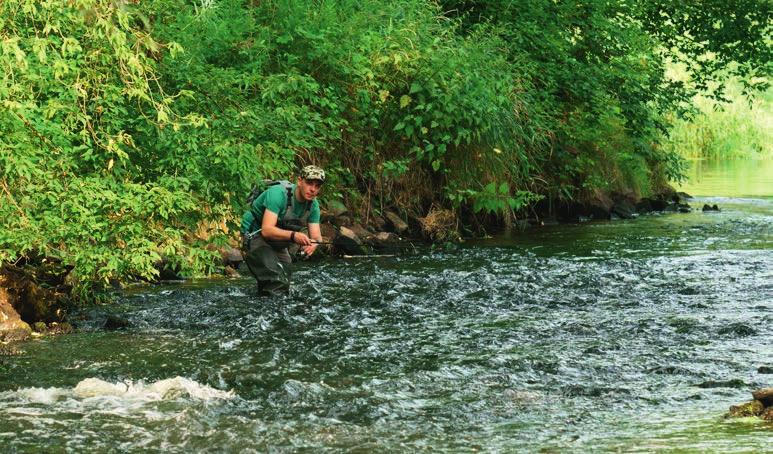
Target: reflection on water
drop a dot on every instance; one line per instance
(736, 178)
(631, 336)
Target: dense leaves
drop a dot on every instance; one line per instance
(131, 131)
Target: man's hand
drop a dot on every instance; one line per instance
(301, 239)
(308, 250)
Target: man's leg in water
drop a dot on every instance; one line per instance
(271, 268)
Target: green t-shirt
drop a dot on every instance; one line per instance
(275, 200)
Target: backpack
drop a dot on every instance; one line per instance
(262, 185)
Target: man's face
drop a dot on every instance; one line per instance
(309, 188)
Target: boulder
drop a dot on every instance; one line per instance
(360, 231)
(328, 230)
(644, 206)
(764, 395)
(707, 207)
(383, 240)
(624, 209)
(231, 257)
(753, 408)
(334, 208)
(767, 415)
(765, 370)
(395, 223)
(599, 206)
(114, 322)
(348, 243)
(377, 223)
(12, 327)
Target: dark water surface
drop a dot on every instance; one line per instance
(618, 336)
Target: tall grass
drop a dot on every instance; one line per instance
(738, 130)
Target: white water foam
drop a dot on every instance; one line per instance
(167, 389)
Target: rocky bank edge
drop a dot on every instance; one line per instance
(35, 293)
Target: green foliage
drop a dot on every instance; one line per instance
(128, 128)
(739, 129)
(79, 88)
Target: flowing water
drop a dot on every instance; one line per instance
(631, 336)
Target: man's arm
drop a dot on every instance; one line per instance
(316, 234)
(270, 231)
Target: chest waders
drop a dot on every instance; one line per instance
(269, 261)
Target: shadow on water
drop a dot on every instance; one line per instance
(629, 335)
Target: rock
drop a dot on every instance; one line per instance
(60, 328)
(683, 208)
(707, 207)
(396, 223)
(348, 243)
(377, 223)
(767, 415)
(734, 383)
(644, 206)
(659, 204)
(232, 257)
(764, 395)
(765, 370)
(599, 206)
(738, 329)
(328, 230)
(335, 208)
(12, 327)
(753, 408)
(39, 327)
(231, 271)
(360, 231)
(624, 210)
(382, 240)
(10, 350)
(683, 196)
(114, 322)
(35, 291)
(341, 221)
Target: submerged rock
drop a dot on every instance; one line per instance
(765, 370)
(752, 408)
(10, 350)
(114, 322)
(762, 406)
(734, 383)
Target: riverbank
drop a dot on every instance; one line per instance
(36, 293)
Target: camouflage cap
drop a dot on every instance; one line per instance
(313, 173)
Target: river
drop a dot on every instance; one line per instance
(631, 335)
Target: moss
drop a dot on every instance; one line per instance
(39, 327)
(753, 408)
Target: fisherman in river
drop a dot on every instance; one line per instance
(274, 222)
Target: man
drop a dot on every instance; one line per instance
(273, 223)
